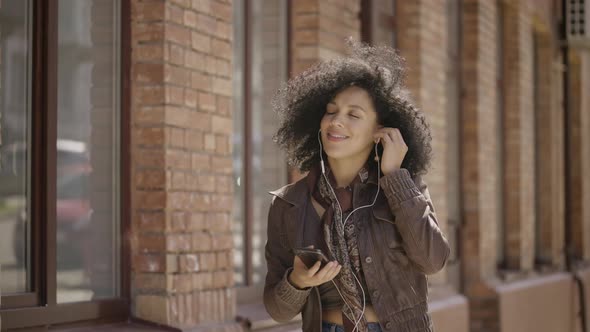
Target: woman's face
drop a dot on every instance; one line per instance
(348, 125)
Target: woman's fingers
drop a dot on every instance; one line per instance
(314, 269)
(383, 137)
(389, 135)
(333, 272)
(328, 272)
(321, 275)
(315, 275)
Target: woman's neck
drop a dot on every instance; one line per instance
(345, 170)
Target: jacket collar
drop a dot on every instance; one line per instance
(294, 194)
(297, 194)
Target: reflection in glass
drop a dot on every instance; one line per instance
(238, 211)
(268, 171)
(87, 218)
(15, 151)
(269, 71)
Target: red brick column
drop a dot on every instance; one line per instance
(319, 29)
(519, 143)
(318, 32)
(422, 40)
(182, 166)
(479, 150)
(549, 150)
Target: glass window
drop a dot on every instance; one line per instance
(87, 210)
(260, 67)
(238, 143)
(269, 70)
(15, 145)
(378, 22)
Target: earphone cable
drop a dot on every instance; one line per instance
(344, 223)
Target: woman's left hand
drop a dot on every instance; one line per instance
(394, 149)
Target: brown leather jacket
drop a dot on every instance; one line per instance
(400, 243)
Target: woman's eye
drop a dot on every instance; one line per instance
(354, 116)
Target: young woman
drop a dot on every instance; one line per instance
(363, 203)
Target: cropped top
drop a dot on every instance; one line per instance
(330, 298)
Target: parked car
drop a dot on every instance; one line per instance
(73, 208)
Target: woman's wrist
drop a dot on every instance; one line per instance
(293, 282)
(391, 171)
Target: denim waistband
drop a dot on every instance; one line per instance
(332, 327)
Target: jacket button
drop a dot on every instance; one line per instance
(368, 259)
(388, 325)
(376, 294)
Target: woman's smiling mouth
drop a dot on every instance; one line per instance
(336, 137)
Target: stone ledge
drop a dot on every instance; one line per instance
(450, 313)
(544, 303)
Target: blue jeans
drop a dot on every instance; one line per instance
(331, 327)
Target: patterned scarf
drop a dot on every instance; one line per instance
(342, 240)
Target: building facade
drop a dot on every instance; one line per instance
(136, 155)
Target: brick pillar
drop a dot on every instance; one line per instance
(320, 29)
(479, 167)
(550, 152)
(182, 166)
(585, 155)
(579, 152)
(318, 32)
(422, 40)
(519, 140)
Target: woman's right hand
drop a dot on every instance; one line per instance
(303, 277)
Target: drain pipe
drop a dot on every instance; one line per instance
(569, 250)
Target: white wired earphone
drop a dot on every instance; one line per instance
(345, 220)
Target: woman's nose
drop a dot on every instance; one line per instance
(336, 121)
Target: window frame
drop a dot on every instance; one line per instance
(39, 307)
(374, 23)
(248, 291)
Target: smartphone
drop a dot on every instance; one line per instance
(311, 256)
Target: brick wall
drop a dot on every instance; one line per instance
(479, 150)
(585, 155)
(579, 186)
(380, 14)
(181, 163)
(423, 43)
(518, 131)
(549, 148)
(181, 78)
(319, 30)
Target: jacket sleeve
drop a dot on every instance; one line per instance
(415, 218)
(282, 300)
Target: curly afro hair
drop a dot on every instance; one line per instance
(301, 104)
